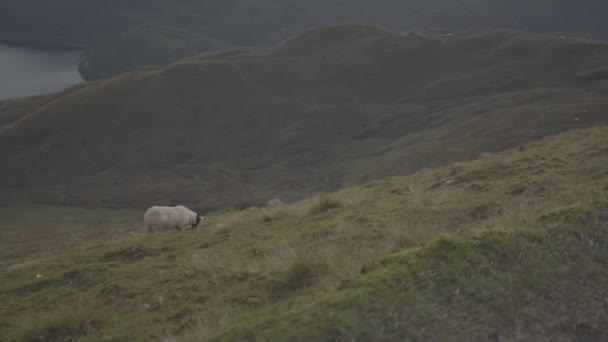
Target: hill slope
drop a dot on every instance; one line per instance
(332, 107)
(510, 246)
(122, 35)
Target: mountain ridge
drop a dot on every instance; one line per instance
(126, 35)
(329, 108)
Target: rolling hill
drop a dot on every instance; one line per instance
(123, 35)
(509, 247)
(332, 107)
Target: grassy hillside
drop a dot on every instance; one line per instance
(330, 108)
(510, 246)
(122, 35)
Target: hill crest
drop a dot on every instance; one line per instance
(329, 108)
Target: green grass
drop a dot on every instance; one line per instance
(324, 205)
(35, 232)
(512, 243)
(298, 274)
(64, 324)
(479, 286)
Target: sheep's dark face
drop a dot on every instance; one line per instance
(198, 221)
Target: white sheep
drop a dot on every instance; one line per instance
(162, 218)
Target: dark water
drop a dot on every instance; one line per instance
(26, 71)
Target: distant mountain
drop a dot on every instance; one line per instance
(123, 35)
(328, 108)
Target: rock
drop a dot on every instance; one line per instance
(274, 203)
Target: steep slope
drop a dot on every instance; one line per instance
(508, 247)
(123, 35)
(542, 285)
(331, 107)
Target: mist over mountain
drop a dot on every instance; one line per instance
(125, 35)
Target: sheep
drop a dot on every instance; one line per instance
(162, 218)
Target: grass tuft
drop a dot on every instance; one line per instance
(64, 324)
(297, 273)
(485, 210)
(576, 215)
(325, 205)
(132, 253)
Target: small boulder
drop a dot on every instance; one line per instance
(274, 203)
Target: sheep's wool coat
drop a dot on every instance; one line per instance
(159, 218)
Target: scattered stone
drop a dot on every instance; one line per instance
(274, 203)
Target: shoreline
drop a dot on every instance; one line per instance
(42, 46)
